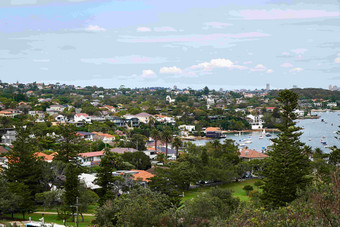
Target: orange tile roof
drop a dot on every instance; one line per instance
(92, 154)
(46, 157)
(248, 153)
(142, 175)
(211, 129)
(103, 134)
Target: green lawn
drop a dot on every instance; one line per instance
(91, 210)
(50, 218)
(236, 189)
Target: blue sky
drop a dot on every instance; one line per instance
(225, 44)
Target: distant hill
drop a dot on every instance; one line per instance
(313, 93)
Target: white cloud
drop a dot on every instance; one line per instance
(286, 65)
(214, 63)
(259, 68)
(296, 70)
(278, 14)
(217, 25)
(143, 29)
(95, 28)
(170, 70)
(148, 74)
(164, 29)
(269, 71)
(337, 60)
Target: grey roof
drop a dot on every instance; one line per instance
(122, 150)
(143, 114)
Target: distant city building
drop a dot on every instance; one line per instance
(333, 88)
(295, 86)
(267, 87)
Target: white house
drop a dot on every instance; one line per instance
(55, 108)
(91, 158)
(188, 128)
(82, 117)
(61, 118)
(144, 117)
(169, 99)
(151, 153)
(255, 121)
(332, 104)
(165, 119)
(299, 113)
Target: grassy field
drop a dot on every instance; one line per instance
(49, 218)
(91, 209)
(236, 189)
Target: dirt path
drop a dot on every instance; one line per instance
(42, 212)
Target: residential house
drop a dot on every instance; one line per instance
(248, 154)
(151, 153)
(169, 99)
(45, 157)
(144, 117)
(86, 135)
(91, 158)
(9, 113)
(4, 150)
(122, 150)
(299, 113)
(55, 108)
(131, 121)
(213, 132)
(9, 137)
(36, 113)
(82, 117)
(106, 138)
(138, 175)
(119, 122)
(61, 118)
(165, 119)
(189, 128)
(255, 121)
(270, 109)
(332, 104)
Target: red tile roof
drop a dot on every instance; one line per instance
(92, 154)
(142, 175)
(248, 153)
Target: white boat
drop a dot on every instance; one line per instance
(248, 141)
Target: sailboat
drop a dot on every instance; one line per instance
(263, 132)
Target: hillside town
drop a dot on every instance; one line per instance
(109, 141)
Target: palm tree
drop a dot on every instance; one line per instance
(177, 143)
(156, 136)
(166, 138)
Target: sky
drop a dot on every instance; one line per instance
(229, 44)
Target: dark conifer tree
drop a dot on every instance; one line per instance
(288, 166)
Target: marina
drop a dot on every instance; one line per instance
(317, 133)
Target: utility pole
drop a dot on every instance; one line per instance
(77, 206)
(77, 211)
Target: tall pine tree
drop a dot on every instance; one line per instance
(23, 164)
(67, 152)
(287, 167)
(109, 163)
